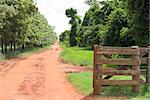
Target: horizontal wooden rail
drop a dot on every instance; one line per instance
(143, 71)
(144, 48)
(118, 61)
(103, 55)
(120, 72)
(144, 60)
(121, 51)
(118, 48)
(117, 82)
(143, 51)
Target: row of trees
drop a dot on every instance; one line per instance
(22, 25)
(111, 22)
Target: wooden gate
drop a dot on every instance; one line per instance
(145, 60)
(103, 55)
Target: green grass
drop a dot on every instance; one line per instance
(83, 82)
(78, 56)
(20, 53)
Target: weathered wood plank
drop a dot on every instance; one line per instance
(148, 68)
(94, 69)
(119, 61)
(96, 88)
(143, 71)
(117, 82)
(103, 54)
(118, 48)
(121, 51)
(143, 51)
(136, 88)
(120, 68)
(120, 72)
(144, 60)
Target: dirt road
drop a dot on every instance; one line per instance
(37, 77)
(40, 76)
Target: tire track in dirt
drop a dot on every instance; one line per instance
(37, 77)
(33, 83)
(40, 76)
(6, 66)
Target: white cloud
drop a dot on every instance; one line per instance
(54, 11)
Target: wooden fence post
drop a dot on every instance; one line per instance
(94, 71)
(136, 88)
(97, 72)
(148, 68)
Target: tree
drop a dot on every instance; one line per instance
(22, 25)
(117, 20)
(64, 37)
(89, 31)
(91, 2)
(138, 11)
(74, 21)
(113, 22)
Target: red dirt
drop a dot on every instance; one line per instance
(40, 76)
(70, 68)
(37, 77)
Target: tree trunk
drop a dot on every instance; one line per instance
(5, 48)
(11, 47)
(14, 46)
(2, 46)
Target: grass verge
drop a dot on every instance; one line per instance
(20, 53)
(83, 82)
(78, 56)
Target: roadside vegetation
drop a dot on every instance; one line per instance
(83, 81)
(22, 53)
(110, 22)
(23, 27)
(118, 23)
(78, 56)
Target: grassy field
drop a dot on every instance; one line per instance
(78, 56)
(83, 81)
(21, 53)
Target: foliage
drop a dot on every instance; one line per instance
(64, 37)
(21, 25)
(42, 34)
(138, 11)
(74, 21)
(89, 31)
(115, 23)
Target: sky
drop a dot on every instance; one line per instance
(54, 12)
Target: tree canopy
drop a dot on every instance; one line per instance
(114, 23)
(22, 24)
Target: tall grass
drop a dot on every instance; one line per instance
(83, 82)
(78, 56)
